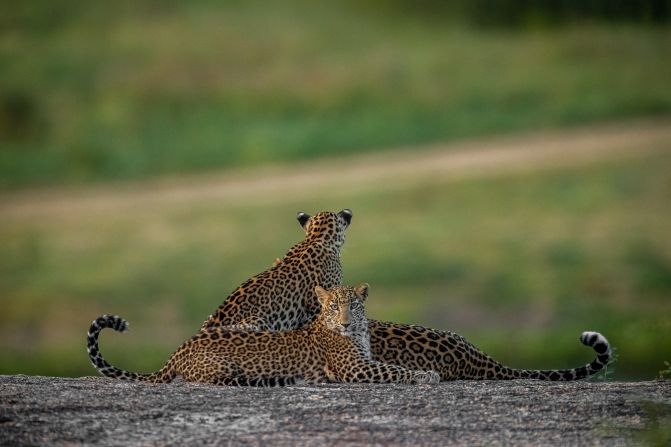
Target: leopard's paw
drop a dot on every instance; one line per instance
(422, 377)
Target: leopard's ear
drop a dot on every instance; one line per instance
(347, 215)
(302, 218)
(323, 295)
(362, 290)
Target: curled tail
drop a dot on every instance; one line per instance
(593, 339)
(118, 324)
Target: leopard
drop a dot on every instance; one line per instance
(455, 358)
(283, 297)
(334, 347)
(290, 303)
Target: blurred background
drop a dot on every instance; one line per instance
(153, 155)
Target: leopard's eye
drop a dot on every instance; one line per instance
(333, 307)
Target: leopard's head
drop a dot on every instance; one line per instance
(342, 309)
(326, 226)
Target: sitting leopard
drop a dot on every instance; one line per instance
(282, 299)
(335, 346)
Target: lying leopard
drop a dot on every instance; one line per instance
(282, 298)
(335, 347)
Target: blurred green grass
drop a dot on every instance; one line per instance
(91, 91)
(519, 264)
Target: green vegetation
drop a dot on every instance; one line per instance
(99, 91)
(657, 430)
(518, 264)
(608, 372)
(91, 91)
(665, 374)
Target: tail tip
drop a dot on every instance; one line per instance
(596, 341)
(112, 321)
(120, 324)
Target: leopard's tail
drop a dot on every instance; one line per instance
(593, 339)
(166, 374)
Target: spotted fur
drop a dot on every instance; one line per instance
(316, 259)
(282, 297)
(454, 358)
(335, 347)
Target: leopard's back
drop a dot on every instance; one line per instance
(282, 297)
(225, 356)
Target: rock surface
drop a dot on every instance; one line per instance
(100, 411)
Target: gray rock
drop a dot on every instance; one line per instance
(101, 411)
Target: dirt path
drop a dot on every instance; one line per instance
(390, 169)
(99, 411)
